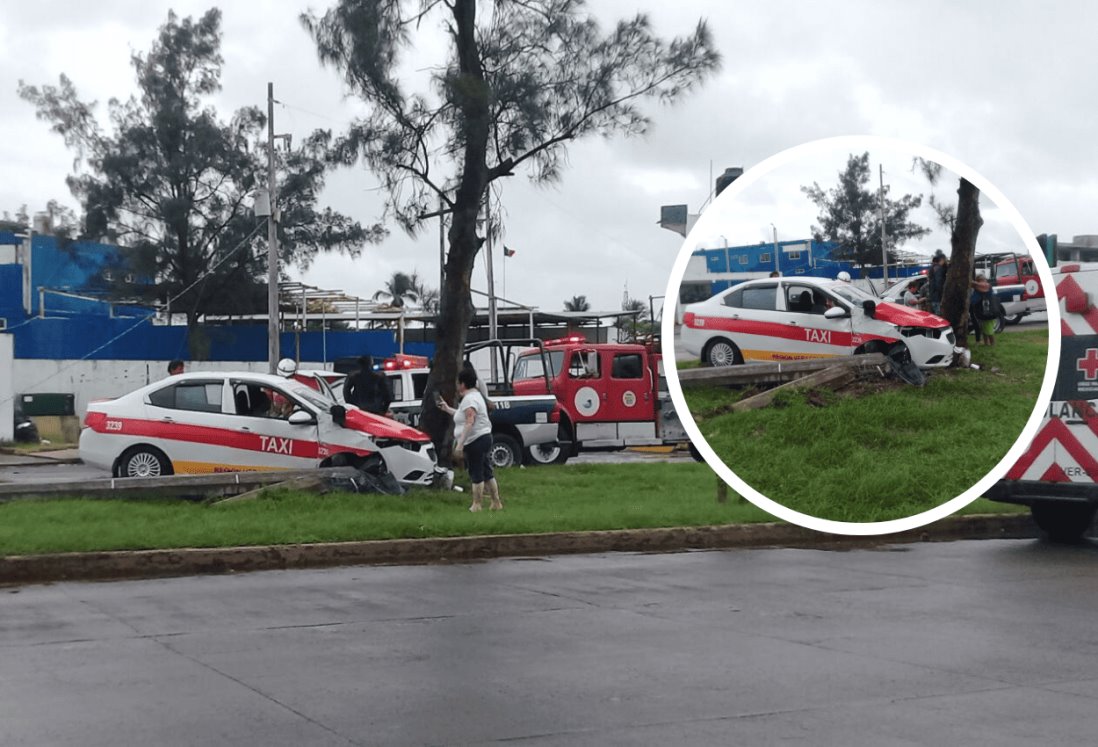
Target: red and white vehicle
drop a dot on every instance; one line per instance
(611, 396)
(198, 423)
(783, 319)
(1057, 476)
(1016, 283)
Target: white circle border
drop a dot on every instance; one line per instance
(864, 142)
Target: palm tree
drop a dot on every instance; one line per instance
(578, 303)
(398, 290)
(427, 297)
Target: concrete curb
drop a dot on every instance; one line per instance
(99, 566)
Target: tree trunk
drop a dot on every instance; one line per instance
(957, 289)
(456, 305)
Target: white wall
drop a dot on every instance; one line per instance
(7, 389)
(90, 380)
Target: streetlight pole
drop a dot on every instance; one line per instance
(777, 269)
(884, 240)
(272, 241)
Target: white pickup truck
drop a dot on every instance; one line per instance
(521, 425)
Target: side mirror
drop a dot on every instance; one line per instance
(836, 312)
(339, 415)
(301, 417)
(870, 308)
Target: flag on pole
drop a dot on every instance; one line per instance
(508, 251)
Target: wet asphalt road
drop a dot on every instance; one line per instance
(975, 643)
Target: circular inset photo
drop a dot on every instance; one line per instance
(862, 342)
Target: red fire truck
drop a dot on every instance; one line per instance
(612, 396)
(1057, 476)
(1018, 284)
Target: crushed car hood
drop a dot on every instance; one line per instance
(903, 316)
(378, 426)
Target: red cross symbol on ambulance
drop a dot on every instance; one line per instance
(1088, 364)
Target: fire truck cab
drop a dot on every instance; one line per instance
(611, 395)
(1017, 283)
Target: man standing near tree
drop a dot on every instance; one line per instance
(368, 389)
(936, 281)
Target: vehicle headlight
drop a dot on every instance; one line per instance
(384, 443)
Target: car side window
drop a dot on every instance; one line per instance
(396, 383)
(627, 366)
(802, 299)
(262, 401)
(583, 364)
(419, 385)
(733, 299)
(196, 396)
(762, 298)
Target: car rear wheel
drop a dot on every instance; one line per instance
(1014, 319)
(1063, 522)
(722, 352)
(144, 461)
(505, 452)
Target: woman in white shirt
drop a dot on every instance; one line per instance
(473, 439)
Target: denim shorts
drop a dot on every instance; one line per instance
(478, 459)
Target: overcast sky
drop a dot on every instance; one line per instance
(1007, 88)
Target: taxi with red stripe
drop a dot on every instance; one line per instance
(794, 318)
(199, 423)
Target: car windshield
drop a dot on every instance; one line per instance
(310, 395)
(851, 293)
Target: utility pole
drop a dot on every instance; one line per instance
(272, 241)
(493, 333)
(272, 236)
(884, 237)
(776, 268)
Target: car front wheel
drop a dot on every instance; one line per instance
(721, 352)
(144, 461)
(543, 454)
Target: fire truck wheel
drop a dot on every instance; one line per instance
(721, 352)
(694, 452)
(143, 461)
(546, 454)
(505, 452)
(1063, 522)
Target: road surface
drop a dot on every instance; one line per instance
(975, 643)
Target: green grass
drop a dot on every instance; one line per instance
(887, 454)
(543, 499)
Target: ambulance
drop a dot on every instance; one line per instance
(1057, 476)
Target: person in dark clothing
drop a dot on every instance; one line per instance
(368, 389)
(936, 282)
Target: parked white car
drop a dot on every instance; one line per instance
(198, 423)
(782, 319)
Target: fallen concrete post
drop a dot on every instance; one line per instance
(229, 483)
(775, 373)
(835, 377)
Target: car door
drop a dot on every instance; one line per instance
(746, 315)
(262, 436)
(805, 331)
(186, 422)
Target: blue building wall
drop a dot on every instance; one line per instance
(814, 260)
(77, 328)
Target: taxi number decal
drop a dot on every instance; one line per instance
(818, 335)
(276, 445)
(114, 425)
